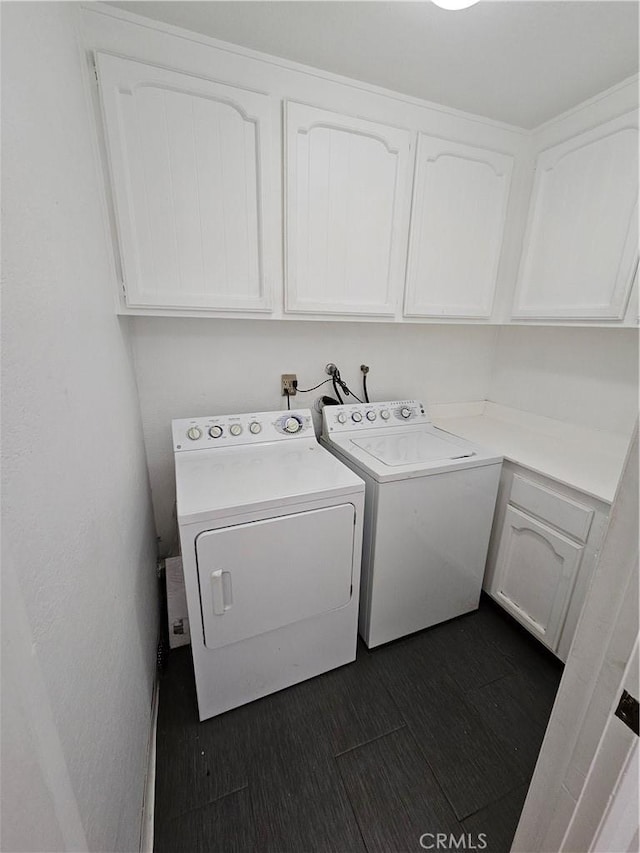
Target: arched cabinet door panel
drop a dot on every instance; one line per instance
(460, 199)
(581, 247)
(535, 572)
(347, 184)
(190, 169)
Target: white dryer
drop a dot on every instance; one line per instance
(430, 498)
(271, 534)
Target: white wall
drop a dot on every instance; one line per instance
(201, 366)
(583, 376)
(77, 521)
(195, 366)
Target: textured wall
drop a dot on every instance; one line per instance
(77, 522)
(201, 366)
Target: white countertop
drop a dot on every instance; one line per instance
(585, 459)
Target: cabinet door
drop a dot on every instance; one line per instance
(534, 576)
(460, 198)
(347, 199)
(581, 248)
(190, 172)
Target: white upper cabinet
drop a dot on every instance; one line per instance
(190, 169)
(347, 183)
(363, 207)
(460, 198)
(581, 247)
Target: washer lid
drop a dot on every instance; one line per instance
(412, 447)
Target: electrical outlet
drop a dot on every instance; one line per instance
(289, 382)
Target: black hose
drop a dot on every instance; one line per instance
(364, 388)
(335, 388)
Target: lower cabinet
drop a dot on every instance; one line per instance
(544, 547)
(535, 572)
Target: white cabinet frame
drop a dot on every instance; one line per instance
(395, 145)
(553, 510)
(574, 193)
(206, 234)
(470, 272)
(518, 525)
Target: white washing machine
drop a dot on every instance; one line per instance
(271, 534)
(430, 498)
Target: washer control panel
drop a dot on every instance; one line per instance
(231, 430)
(367, 416)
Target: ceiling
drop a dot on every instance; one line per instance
(518, 61)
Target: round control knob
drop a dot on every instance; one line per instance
(406, 413)
(384, 414)
(215, 431)
(342, 418)
(292, 425)
(235, 429)
(357, 417)
(194, 433)
(254, 427)
(371, 415)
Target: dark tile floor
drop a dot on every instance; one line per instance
(438, 732)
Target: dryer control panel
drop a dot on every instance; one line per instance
(231, 430)
(368, 416)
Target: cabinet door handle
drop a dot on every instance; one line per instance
(221, 592)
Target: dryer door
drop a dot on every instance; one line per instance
(262, 575)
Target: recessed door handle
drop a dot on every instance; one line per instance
(221, 592)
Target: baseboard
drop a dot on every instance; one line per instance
(148, 807)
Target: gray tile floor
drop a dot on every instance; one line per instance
(436, 733)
